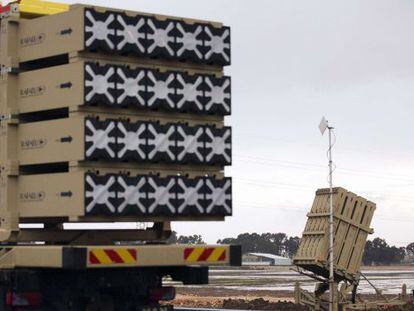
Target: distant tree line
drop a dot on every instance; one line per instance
(270, 243)
(182, 239)
(377, 251)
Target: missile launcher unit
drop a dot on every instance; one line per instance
(109, 116)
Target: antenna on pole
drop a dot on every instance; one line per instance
(323, 126)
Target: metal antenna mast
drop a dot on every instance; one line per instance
(323, 126)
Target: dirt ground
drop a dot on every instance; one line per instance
(250, 302)
(240, 303)
(217, 301)
(245, 290)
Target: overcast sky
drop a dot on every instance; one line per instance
(294, 61)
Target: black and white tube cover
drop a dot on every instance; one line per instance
(161, 142)
(218, 145)
(217, 95)
(150, 195)
(120, 140)
(131, 195)
(101, 139)
(100, 30)
(137, 35)
(189, 41)
(100, 84)
(190, 144)
(101, 194)
(121, 86)
(161, 90)
(190, 93)
(131, 87)
(131, 34)
(132, 141)
(160, 38)
(217, 45)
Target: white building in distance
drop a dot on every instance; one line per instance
(263, 259)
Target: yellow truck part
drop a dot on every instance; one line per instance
(38, 8)
(35, 8)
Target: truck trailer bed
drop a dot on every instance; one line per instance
(93, 257)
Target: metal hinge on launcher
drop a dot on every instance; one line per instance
(8, 69)
(5, 116)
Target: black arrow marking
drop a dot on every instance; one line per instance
(66, 85)
(67, 139)
(66, 32)
(67, 194)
